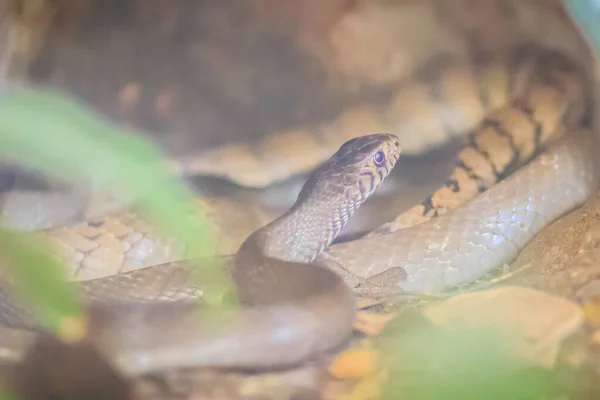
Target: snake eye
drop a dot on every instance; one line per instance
(379, 158)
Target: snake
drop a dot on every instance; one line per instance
(551, 168)
(290, 304)
(537, 114)
(526, 163)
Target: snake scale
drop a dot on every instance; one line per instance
(545, 99)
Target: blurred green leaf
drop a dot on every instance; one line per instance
(39, 278)
(61, 138)
(7, 395)
(58, 136)
(428, 362)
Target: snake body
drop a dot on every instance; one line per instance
(540, 95)
(466, 243)
(293, 309)
(524, 115)
(458, 246)
(447, 252)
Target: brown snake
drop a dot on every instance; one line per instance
(527, 102)
(294, 308)
(546, 104)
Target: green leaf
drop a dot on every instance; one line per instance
(427, 362)
(39, 280)
(7, 395)
(62, 138)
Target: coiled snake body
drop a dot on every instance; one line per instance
(295, 308)
(433, 246)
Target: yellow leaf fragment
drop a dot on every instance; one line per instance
(596, 337)
(72, 329)
(591, 312)
(355, 363)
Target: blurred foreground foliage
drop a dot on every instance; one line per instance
(61, 138)
(429, 362)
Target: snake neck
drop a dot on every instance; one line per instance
(303, 232)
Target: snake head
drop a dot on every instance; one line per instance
(356, 169)
(330, 196)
